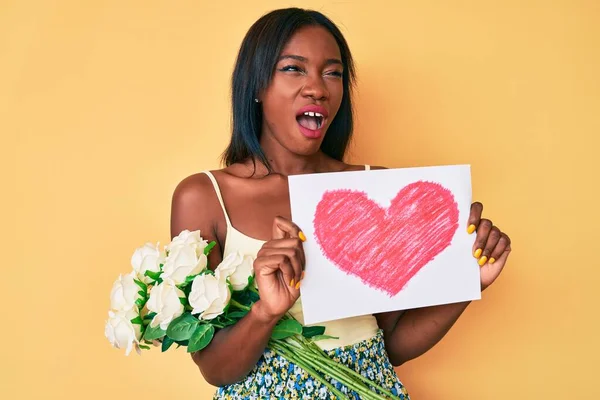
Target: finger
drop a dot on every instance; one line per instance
(284, 228)
(287, 272)
(278, 264)
(474, 217)
(490, 245)
(502, 245)
(502, 259)
(294, 256)
(294, 243)
(267, 265)
(483, 230)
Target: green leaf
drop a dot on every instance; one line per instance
(150, 315)
(140, 303)
(153, 275)
(237, 314)
(322, 337)
(286, 328)
(144, 347)
(154, 333)
(245, 297)
(208, 248)
(201, 337)
(183, 300)
(142, 285)
(228, 323)
(181, 328)
(142, 293)
(250, 282)
(186, 287)
(310, 331)
(137, 320)
(166, 343)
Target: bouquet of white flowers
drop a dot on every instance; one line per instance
(172, 297)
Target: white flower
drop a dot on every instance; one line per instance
(322, 392)
(124, 293)
(147, 258)
(238, 268)
(209, 296)
(187, 238)
(121, 333)
(164, 301)
(185, 257)
(309, 386)
(182, 262)
(268, 380)
(279, 389)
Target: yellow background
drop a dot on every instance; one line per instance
(106, 105)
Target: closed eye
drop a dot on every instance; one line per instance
(291, 68)
(295, 68)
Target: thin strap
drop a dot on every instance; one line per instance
(218, 191)
(367, 167)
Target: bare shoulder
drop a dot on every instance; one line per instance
(194, 205)
(193, 190)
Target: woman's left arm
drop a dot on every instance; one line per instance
(408, 334)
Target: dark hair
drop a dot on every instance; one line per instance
(253, 72)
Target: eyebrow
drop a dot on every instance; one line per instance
(329, 61)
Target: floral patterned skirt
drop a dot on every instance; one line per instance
(275, 378)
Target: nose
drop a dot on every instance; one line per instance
(315, 87)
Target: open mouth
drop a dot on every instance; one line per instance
(311, 120)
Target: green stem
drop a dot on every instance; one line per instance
(238, 305)
(283, 352)
(332, 373)
(317, 350)
(310, 355)
(338, 375)
(252, 288)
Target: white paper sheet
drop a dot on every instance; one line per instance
(384, 240)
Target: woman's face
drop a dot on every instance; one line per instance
(307, 78)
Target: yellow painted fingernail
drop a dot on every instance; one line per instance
(301, 236)
(297, 285)
(482, 261)
(292, 282)
(477, 253)
(471, 229)
(492, 260)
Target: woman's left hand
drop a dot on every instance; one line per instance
(491, 248)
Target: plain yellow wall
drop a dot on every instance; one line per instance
(106, 105)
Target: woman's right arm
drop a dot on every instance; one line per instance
(235, 350)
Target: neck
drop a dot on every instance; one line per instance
(284, 162)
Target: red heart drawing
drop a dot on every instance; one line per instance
(385, 248)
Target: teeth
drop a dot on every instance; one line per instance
(313, 114)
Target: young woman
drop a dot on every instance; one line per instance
(292, 114)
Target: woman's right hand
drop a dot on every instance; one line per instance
(278, 270)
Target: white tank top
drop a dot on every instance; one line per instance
(348, 330)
